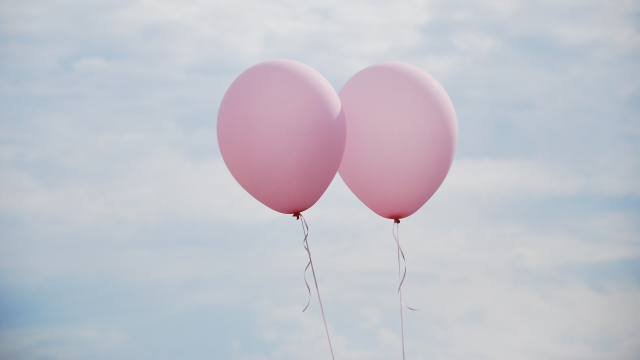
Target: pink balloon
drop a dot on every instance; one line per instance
(281, 133)
(402, 134)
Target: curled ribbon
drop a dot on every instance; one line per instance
(401, 276)
(305, 244)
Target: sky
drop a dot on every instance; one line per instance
(124, 236)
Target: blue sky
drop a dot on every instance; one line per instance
(122, 234)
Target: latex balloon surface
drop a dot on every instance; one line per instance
(282, 134)
(402, 134)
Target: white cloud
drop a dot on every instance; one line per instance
(354, 31)
(62, 343)
(168, 185)
(165, 186)
(508, 178)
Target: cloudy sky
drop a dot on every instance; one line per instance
(123, 235)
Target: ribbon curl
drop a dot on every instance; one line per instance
(305, 244)
(396, 235)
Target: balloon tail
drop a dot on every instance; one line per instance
(305, 244)
(401, 276)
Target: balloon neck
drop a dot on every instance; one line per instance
(396, 221)
(297, 216)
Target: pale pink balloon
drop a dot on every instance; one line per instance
(281, 133)
(402, 134)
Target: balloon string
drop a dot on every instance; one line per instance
(401, 275)
(305, 244)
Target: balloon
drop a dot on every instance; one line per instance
(402, 134)
(281, 133)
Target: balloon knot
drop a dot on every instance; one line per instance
(396, 221)
(297, 216)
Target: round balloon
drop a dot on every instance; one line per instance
(402, 134)
(282, 134)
